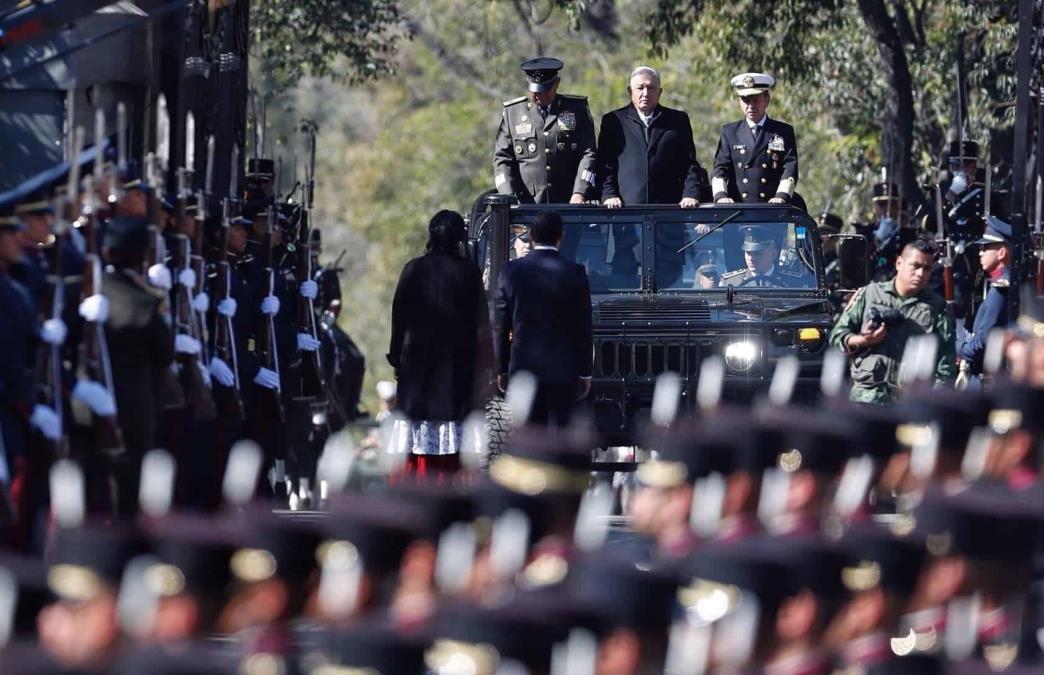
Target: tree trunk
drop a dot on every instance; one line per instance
(898, 114)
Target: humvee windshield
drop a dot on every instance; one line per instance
(688, 256)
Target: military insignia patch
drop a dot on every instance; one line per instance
(567, 120)
(776, 143)
(523, 128)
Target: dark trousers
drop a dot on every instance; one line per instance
(553, 404)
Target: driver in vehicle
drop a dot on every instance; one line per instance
(761, 253)
(707, 276)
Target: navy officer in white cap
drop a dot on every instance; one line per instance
(757, 158)
(545, 147)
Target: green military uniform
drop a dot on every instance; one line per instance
(544, 157)
(875, 371)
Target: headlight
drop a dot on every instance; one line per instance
(740, 356)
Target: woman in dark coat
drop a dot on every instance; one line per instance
(440, 331)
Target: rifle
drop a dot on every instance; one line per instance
(311, 379)
(1038, 237)
(267, 349)
(942, 238)
(185, 316)
(198, 262)
(169, 391)
(229, 400)
(93, 363)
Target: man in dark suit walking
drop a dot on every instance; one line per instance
(542, 324)
(757, 158)
(646, 150)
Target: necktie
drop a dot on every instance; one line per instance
(545, 110)
(756, 130)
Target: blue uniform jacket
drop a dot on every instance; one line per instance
(992, 313)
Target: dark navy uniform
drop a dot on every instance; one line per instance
(993, 312)
(545, 157)
(754, 169)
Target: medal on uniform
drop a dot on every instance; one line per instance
(523, 128)
(532, 147)
(567, 120)
(776, 143)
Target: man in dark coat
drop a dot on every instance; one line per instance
(545, 147)
(757, 158)
(542, 324)
(140, 344)
(646, 151)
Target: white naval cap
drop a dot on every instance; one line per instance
(386, 390)
(748, 84)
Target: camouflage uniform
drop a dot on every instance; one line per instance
(875, 371)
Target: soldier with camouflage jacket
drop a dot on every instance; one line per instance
(876, 346)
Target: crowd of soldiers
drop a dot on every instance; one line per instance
(773, 537)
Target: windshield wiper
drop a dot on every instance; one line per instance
(728, 219)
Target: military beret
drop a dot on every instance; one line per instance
(749, 84)
(541, 73)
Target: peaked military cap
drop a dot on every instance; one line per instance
(374, 648)
(685, 453)
(443, 505)
(260, 167)
(885, 191)
(626, 590)
(538, 460)
(964, 150)
(541, 73)
(954, 411)
(86, 559)
(1016, 406)
(276, 546)
(997, 232)
(8, 219)
(127, 234)
(194, 555)
(377, 528)
(756, 238)
(985, 522)
(831, 223)
(749, 84)
(758, 565)
(36, 201)
(882, 559)
(709, 270)
(876, 426)
(813, 441)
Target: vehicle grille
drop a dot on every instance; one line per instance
(614, 358)
(662, 309)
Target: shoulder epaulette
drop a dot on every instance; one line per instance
(515, 100)
(734, 273)
(575, 97)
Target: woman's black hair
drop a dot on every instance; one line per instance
(446, 231)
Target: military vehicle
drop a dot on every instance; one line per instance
(670, 287)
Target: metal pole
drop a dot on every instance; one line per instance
(498, 240)
(1023, 66)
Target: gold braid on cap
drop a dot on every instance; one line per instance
(531, 477)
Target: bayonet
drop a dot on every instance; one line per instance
(190, 142)
(162, 157)
(99, 141)
(987, 187)
(208, 180)
(121, 138)
(233, 180)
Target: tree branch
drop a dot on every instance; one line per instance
(462, 68)
(527, 26)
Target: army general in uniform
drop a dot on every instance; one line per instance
(545, 148)
(757, 157)
(761, 255)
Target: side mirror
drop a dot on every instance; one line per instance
(853, 258)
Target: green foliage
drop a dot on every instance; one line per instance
(299, 37)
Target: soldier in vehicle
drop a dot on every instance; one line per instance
(761, 253)
(707, 276)
(757, 158)
(545, 147)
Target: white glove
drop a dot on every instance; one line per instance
(306, 342)
(96, 397)
(267, 379)
(270, 305)
(201, 303)
(96, 307)
(227, 307)
(309, 289)
(46, 420)
(203, 372)
(186, 344)
(187, 277)
(959, 183)
(53, 332)
(159, 276)
(221, 372)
